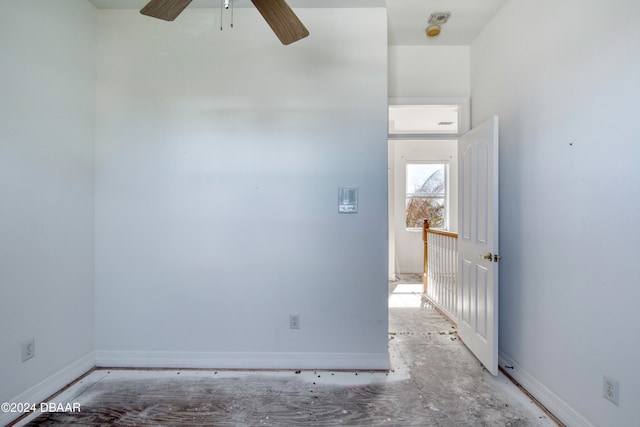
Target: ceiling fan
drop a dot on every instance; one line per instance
(284, 23)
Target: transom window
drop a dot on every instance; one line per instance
(426, 195)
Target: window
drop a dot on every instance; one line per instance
(427, 195)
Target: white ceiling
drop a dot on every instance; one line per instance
(408, 19)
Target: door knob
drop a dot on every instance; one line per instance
(496, 258)
(488, 256)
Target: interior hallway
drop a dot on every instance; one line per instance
(435, 381)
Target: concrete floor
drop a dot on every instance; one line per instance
(435, 381)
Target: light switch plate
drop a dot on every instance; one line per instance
(348, 200)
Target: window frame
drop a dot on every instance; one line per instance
(446, 197)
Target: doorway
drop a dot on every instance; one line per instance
(423, 175)
(422, 131)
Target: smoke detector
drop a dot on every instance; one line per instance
(439, 18)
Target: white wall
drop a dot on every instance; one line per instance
(409, 247)
(429, 71)
(47, 112)
(218, 161)
(563, 77)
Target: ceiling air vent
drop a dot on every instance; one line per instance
(439, 18)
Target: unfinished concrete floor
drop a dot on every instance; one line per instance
(435, 381)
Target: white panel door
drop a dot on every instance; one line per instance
(478, 242)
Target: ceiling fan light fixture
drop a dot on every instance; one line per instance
(433, 30)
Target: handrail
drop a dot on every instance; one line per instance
(442, 233)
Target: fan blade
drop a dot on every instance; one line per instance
(165, 9)
(282, 20)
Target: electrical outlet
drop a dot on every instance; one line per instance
(28, 348)
(294, 321)
(610, 389)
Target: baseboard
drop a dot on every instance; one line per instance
(214, 360)
(551, 401)
(51, 385)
